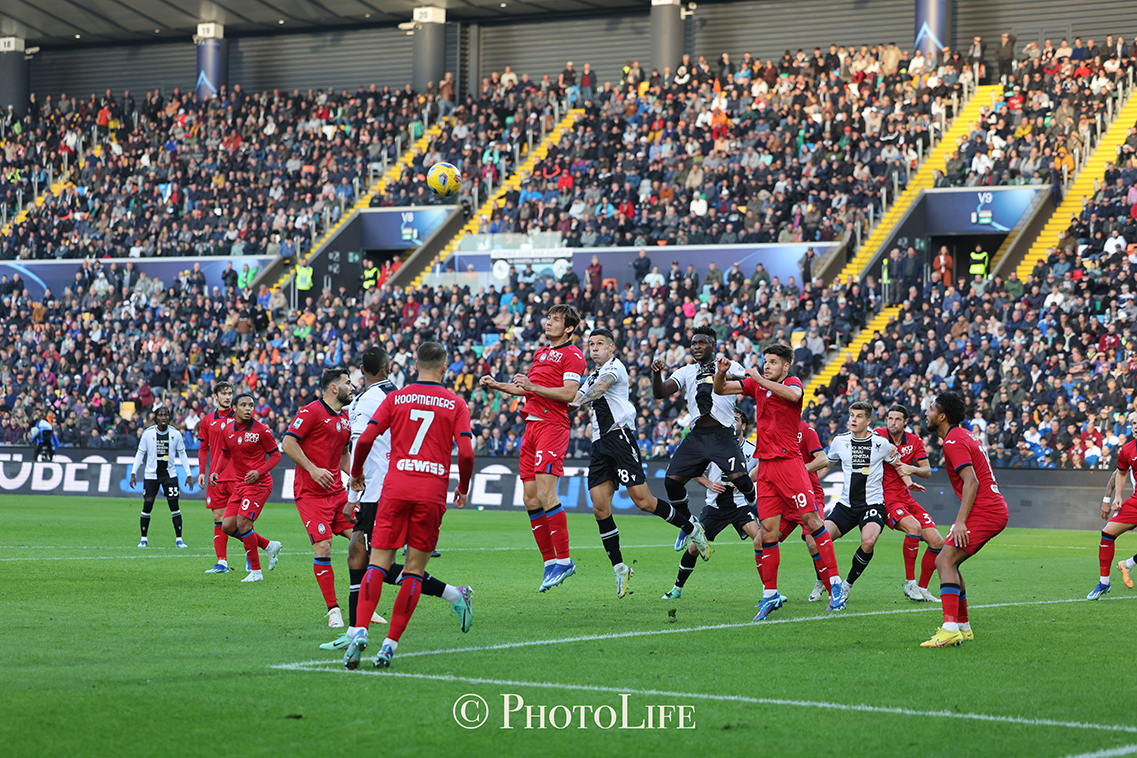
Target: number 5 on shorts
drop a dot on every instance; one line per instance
(427, 418)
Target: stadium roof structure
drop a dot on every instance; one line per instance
(57, 23)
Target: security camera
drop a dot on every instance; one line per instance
(197, 40)
(31, 50)
(692, 6)
(408, 26)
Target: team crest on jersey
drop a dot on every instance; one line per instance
(541, 357)
(769, 392)
(322, 529)
(338, 427)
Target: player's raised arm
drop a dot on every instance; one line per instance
(789, 389)
(509, 388)
(726, 385)
(563, 394)
(659, 388)
(584, 399)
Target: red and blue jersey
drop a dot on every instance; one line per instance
(552, 367)
(779, 420)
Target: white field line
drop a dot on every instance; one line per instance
(686, 696)
(1108, 752)
(712, 627)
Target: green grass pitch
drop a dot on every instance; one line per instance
(106, 649)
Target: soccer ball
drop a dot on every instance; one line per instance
(444, 180)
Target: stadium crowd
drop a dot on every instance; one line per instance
(788, 150)
(238, 174)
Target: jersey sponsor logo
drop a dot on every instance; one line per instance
(249, 437)
(418, 465)
(907, 449)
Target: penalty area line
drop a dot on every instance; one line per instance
(1018, 720)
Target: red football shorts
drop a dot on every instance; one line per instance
(981, 527)
(217, 495)
(900, 509)
(322, 515)
(406, 521)
(248, 499)
(543, 449)
(1127, 513)
(783, 488)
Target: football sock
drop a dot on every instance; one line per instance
(355, 576)
(1105, 555)
(449, 593)
(262, 542)
(817, 567)
(405, 604)
(927, 567)
(369, 592)
(911, 550)
(677, 496)
(326, 578)
(758, 562)
(687, 563)
(558, 532)
(746, 486)
(144, 522)
(220, 539)
(610, 538)
(961, 615)
(1131, 562)
(249, 539)
(949, 595)
(540, 526)
(860, 563)
(824, 544)
(669, 514)
(435, 587)
(771, 557)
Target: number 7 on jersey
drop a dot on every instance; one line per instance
(427, 418)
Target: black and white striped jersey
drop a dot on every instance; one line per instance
(614, 408)
(363, 407)
(696, 381)
(863, 461)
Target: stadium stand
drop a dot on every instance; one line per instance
(104, 352)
